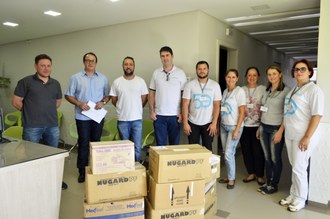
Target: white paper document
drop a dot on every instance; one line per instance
(94, 114)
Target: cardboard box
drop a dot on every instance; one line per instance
(179, 163)
(187, 212)
(215, 166)
(131, 209)
(177, 194)
(111, 156)
(115, 186)
(210, 193)
(211, 209)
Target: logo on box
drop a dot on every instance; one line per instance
(183, 163)
(135, 205)
(116, 181)
(94, 210)
(178, 214)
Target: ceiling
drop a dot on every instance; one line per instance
(290, 26)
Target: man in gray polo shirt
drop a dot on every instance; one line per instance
(38, 96)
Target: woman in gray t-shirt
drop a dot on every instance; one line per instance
(271, 128)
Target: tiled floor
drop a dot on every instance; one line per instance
(243, 202)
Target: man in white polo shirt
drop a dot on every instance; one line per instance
(166, 87)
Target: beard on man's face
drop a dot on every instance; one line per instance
(128, 72)
(202, 76)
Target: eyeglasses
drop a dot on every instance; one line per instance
(90, 61)
(302, 70)
(167, 76)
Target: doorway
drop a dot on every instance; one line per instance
(223, 61)
(227, 58)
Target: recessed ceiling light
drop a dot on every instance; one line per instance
(294, 30)
(292, 18)
(114, 0)
(11, 24)
(52, 13)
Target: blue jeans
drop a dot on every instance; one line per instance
(229, 147)
(167, 126)
(132, 130)
(272, 152)
(88, 131)
(49, 135)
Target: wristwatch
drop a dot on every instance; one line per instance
(104, 102)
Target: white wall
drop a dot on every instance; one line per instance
(141, 40)
(193, 36)
(320, 162)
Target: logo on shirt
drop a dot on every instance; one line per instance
(290, 107)
(202, 101)
(226, 109)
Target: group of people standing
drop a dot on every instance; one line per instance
(263, 119)
(254, 115)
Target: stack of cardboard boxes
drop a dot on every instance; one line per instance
(181, 182)
(210, 201)
(115, 184)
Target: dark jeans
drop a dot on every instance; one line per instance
(200, 131)
(253, 154)
(88, 131)
(167, 127)
(272, 152)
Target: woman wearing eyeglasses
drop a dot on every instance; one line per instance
(271, 128)
(304, 106)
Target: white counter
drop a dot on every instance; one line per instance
(30, 180)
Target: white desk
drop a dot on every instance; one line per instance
(30, 180)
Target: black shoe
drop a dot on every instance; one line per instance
(64, 186)
(260, 181)
(221, 180)
(81, 178)
(247, 180)
(229, 186)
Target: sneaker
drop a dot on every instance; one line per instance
(296, 206)
(271, 189)
(286, 201)
(262, 189)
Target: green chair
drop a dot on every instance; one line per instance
(148, 139)
(13, 119)
(59, 119)
(110, 131)
(148, 134)
(74, 134)
(14, 132)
